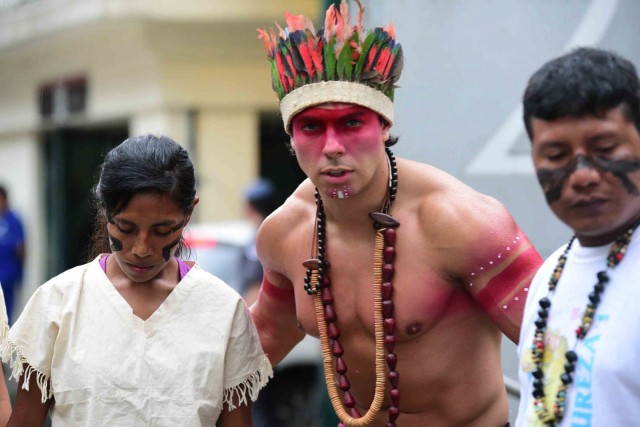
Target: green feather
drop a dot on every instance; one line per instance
(344, 62)
(366, 46)
(330, 59)
(275, 81)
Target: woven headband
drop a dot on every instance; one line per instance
(334, 91)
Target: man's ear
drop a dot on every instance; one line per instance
(291, 145)
(386, 131)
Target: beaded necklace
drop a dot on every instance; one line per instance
(616, 254)
(318, 283)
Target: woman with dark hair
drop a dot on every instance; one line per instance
(138, 336)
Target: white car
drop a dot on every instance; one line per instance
(218, 247)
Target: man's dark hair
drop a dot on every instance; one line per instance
(585, 81)
(262, 196)
(3, 192)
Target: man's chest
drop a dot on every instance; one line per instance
(420, 300)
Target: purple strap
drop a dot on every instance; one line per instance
(183, 266)
(103, 263)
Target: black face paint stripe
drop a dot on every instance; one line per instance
(552, 180)
(583, 162)
(166, 251)
(116, 244)
(621, 170)
(177, 227)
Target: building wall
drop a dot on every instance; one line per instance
(194, 70)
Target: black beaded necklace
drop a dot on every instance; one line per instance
(318, 283)
(616, 255)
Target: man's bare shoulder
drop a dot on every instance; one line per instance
(281, 230)
(443, 197)
(447, 207)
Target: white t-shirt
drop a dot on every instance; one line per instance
(606, 387)
(105, 366)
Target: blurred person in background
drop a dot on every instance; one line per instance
(580, 332)
(292, 397)
(260, 199)
(137, 336)
(12, 252)
(408, 276)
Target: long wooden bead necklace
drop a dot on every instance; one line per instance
(616, 254)
(318, 283)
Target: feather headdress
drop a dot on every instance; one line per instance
(339, 63)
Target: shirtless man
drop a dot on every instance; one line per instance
(461, 268)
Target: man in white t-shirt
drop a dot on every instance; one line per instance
(581, 328)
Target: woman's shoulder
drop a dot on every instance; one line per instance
(69, 278)
(211, 283)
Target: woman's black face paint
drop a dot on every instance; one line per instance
(552, 180)
(116, 245)
(166, 251)
(178, 227)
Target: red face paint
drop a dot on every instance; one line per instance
(339, 147)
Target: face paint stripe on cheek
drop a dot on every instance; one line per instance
(552, 180)
(115, 244)
(166, 251)
(621, 169)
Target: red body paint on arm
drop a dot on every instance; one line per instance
(500, 283)
(279, 294)
(507, 290)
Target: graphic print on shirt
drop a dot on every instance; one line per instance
(580, 409)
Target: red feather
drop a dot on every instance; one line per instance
(298, 22)
(329, 21)
(372, 55)
(392, 31)
(281, 75)
(355, 53)
(392, 57)
(303, 48)
(268, 45)
(291, 67)
(283, 35)
(382, 60)
(360, 19)
(316, 54)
